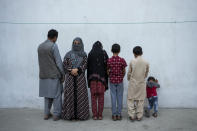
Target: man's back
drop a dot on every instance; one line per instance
(47, 65)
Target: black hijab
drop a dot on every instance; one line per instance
(97, 64)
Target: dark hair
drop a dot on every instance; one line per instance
(151, 78)
(52, 33)
(97, 45)
(115, 48)
(137, 50)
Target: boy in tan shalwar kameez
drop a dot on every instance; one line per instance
(138, 71)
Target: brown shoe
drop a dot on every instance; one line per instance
(119, 117)
(46, 117)
(100, 118)
(132, 119)
(154, 114)
(56, 118)
(94, 118)
(114, 118)
(147, 113)
(139, 119)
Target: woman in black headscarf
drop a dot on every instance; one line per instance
(97, 78)
(76, 104)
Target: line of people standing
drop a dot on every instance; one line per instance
(100, 68)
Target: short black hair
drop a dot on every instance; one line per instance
(115, 48)
(151, 78)
(137, 50)
(52, 33)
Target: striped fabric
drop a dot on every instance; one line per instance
(76, 104)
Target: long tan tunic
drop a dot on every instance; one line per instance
(138, 71)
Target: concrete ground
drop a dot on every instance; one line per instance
(32, 120)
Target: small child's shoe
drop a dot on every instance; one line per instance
(155, 114)
(147, 113)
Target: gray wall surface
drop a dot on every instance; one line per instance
(166, 29)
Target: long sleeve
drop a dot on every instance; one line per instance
(157, 85)
(58, 59)
(67, 65)
(83, 66)
(129, 72)
(147, 70)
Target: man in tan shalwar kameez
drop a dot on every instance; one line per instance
(138, 71)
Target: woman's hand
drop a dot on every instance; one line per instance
(74, 72)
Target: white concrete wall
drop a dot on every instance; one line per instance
(169, 47)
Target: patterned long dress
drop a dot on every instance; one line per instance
(76, 104)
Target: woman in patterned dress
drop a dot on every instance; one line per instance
(76, 104)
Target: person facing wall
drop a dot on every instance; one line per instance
(51, 74)
(116, 70)
(75, 104)
(138, 71)
(97, 78)
(151, 90)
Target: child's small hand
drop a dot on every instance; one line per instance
(156, 80)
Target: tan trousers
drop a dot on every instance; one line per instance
(135, 107)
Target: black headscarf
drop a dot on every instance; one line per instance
(97, 64)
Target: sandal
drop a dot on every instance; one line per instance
(139, 119)
(154, 114)
(56, 118)
(114, 118)
(132, 119)
(119, 117)
(100, 118)
(46, 117)
(94, 118)
(147, 113)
